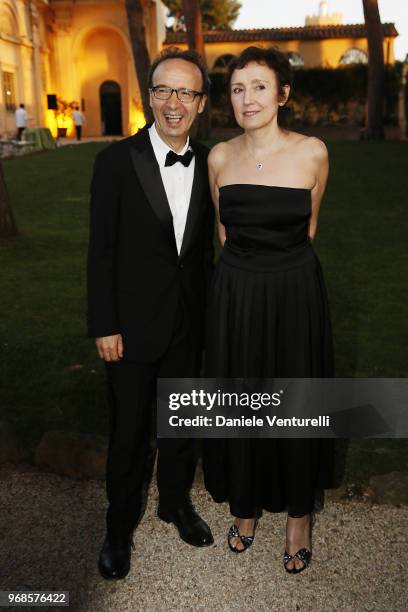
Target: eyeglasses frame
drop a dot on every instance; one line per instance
(172, 90)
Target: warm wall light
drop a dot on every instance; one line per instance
(53, 125)
(136, 120)
(136, 116)
(51, 122)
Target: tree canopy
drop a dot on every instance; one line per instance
(216, 14)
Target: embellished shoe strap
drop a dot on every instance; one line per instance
(247, 540)
(287, 557)
(304, 555)
(234, 533)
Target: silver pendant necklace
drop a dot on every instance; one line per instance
(258, 164)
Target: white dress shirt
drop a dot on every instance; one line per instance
(177, 181)
(78, 117)
(21, 117)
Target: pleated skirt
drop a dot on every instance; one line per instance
(269, 323)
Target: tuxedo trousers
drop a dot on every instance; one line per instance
(132, 393)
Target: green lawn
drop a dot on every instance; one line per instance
(50, 376)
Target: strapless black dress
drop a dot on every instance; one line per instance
(268, 317)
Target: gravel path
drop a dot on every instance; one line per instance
(51, 529)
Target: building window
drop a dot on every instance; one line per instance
(9, 91)
(221, 63)
(295, 59)
(354, 56)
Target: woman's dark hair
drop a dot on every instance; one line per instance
(189, 55)
(272, 57)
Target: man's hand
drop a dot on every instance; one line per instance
(110, 348)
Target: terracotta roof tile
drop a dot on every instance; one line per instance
(357, 30)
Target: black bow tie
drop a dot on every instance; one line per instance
(173, 158)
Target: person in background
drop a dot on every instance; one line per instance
(21, 120)
(79, 120)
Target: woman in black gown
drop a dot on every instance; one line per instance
(268, 310)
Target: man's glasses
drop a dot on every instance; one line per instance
(183, 94)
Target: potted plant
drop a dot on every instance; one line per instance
(63, 115)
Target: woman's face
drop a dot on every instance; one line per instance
(255, 96)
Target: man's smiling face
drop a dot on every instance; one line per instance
(174, 118)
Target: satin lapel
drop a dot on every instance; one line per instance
(200, 177)
(148, 173)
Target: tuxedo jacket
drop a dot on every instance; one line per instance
(136, 279)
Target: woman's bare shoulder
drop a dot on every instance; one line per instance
(216, 156)
(317, 148)
(222, 151)
(309, 145)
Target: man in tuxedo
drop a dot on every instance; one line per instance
(149, 262)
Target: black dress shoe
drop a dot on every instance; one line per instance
(191, 527)
(114, 558)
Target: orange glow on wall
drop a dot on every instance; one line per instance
(137, 120)
(53, 123)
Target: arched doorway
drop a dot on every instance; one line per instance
(111, 108)
(102, 57)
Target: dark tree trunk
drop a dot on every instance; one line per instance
(8, 227)
(376, 71)
(192, 16)
(137, 33)
(195, 40)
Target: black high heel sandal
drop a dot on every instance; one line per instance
(303, 554)
(246, 540)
